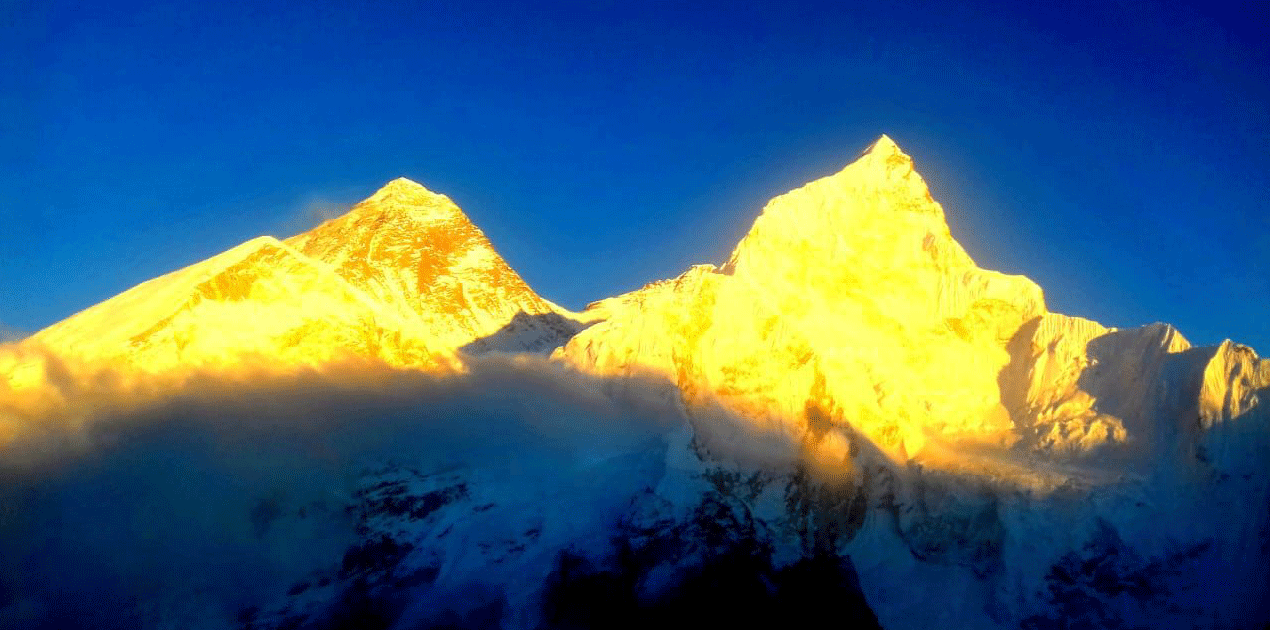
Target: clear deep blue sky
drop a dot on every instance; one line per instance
(1115, 153)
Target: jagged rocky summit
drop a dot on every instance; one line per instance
(954, 454)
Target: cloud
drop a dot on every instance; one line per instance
(52, 409)
(311, 213)
(9, 334)
(126, 499)
(123, 498)
(318, 211)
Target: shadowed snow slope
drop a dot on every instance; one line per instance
(847, 415)
(988, 436)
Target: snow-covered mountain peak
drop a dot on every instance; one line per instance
(417, 252)
(402, 204)
(403, 277)
(865, 406)
(884, 146)
(848, 293)
(849, 319)
(876, 214)
(886, 161)
(402, 187)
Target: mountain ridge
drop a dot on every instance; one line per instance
(849, 388)
(854, 278)
(405, 274)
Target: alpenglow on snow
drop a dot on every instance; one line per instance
(848, 417)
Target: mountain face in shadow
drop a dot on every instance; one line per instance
(378, 423)
(540, 334)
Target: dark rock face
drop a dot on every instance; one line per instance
(1085, 584)
(713, 565)
(735, 584)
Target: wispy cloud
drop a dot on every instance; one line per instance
(10, 334)
(318, 211)
(115, 491)
(319, 208)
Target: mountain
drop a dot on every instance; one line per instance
(979, 433)
(849, 304)
(853, 291)
(847, 419)
(415, 252)
(404, 277)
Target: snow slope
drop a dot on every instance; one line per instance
(849, 417)
(991, 439)
(415, 252)
(404, 277)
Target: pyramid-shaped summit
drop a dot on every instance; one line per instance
(884, 145)
(404, 184)
(844, 289)
(405, 192)
(874, 215)
(403, 277)
(856, 391)
(416, 252)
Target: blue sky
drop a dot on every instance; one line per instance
(1116, 153)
